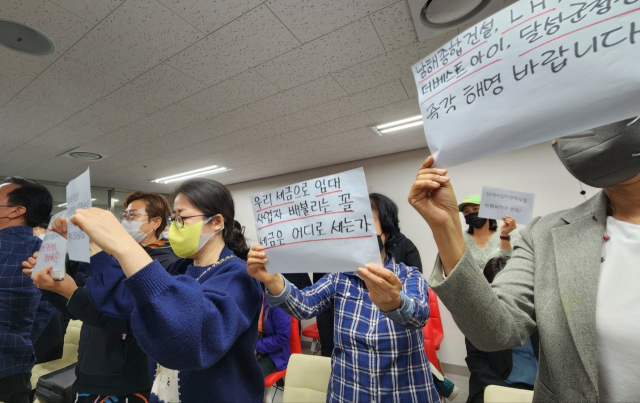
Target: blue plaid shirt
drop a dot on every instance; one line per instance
(377, 356)
(22, 315)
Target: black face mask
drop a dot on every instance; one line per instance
(475, 221)
(380, 243)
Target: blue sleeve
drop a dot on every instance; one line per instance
(80, 306)
(307, 303)
(44, 313)
(414, 308)
(279, 339)
(105, 286)
(185, 325)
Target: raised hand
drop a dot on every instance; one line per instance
(432, 195)
(104, 230)
(383, 285)
(256, 261)
(44, 281)
(508, 225)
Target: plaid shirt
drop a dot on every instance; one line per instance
(377, 356)
(22, 316)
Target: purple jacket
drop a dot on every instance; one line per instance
(277, 329)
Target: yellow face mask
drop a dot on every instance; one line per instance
(187, 241)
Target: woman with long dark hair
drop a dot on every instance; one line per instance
(197, 320)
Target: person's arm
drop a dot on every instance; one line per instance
(413, 312)
(508, 225)
(277, 341)
(80, 307)
(185, 325)
(44, 313)
(306, 303)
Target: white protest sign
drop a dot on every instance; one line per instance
(497, 203)
(52, 252)
(323, 225)
(78, 197)
(537, 70)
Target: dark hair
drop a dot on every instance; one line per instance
(157, 206)
(493, 226)
(494, 266)
(213, 198)
(387, 211)
(32, 196)
(45, 224)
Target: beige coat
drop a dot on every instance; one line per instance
(550, 285)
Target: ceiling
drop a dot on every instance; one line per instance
(166, 86)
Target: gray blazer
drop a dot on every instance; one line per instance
(550, 285)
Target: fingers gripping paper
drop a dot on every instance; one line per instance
(322, 225)
(52, 252)
(78, 197)
(537, 70)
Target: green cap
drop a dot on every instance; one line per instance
(474, 199)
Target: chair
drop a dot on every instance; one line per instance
(312, 332)
(294, 345)
(501, 394)
(308, 379)
(69, 353)
(435, 319)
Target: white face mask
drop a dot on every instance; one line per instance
(165, 235)
(133, 229)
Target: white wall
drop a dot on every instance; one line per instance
(535, 169)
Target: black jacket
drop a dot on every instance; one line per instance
(490, 368)
(110, 361)
(404, 251)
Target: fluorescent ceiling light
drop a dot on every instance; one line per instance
(64, 204)
(398, 125)
(214, 169)
(115, 200)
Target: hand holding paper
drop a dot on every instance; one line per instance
(383, 285)
(104, 230)
(508, 225)
(256, 261)
(43, 280)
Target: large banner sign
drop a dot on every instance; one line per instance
(534, 71)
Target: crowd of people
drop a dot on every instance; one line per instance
(176, 307)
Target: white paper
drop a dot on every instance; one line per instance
(78, 197)
(497, 203)
(535, 71)
(320, 225)
(52, 252)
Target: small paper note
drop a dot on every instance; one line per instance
(497, 203)
(52, 252)
(78, 197)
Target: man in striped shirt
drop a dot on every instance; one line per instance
(23, 205)
(378, 351)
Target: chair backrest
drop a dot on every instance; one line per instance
(307, 379)
(294, 339)
(434, 312)
(429, 346)
(71, 341)
(500, 394)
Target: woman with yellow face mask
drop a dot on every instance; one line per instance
(197, 320)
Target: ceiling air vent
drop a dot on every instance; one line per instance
(83, 155)
(23, 38)
(434, 17)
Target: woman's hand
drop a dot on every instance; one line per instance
(59, 225)
(104, 230)
(256, 261)
(383, 285)
(508, 225)
(44, 281)
(432, 195)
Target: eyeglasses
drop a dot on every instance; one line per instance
(130, 215)
(179, 220)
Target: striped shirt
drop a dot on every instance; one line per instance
(22, 315)
(377, 356)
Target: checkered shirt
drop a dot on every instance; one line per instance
(377, 356)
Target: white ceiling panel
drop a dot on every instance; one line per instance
(11, 140)
(344, 47)
(61, 26)
(331, 127)
(384, 68)
(23, 158)
(91, 10)
(383, 95)
(29, 118)
(135, 37)
(231, 94)
(210, 15)
(409, 85)
(396, 111)
(89, 124)
(395, 26)
(54, 166)
(240, 45)
(156, 89)
(11, 82)
(301, 97)
(70, 85)
(309, 20)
